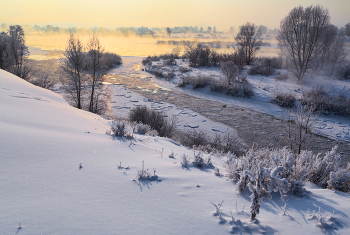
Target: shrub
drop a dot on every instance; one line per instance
(195, 137)
(150, 59)
(284, 99)
(199, 81)
(184, 161)
(112, 59)
(145, 175)
(168, 59)
(141, 128)
(262, 70)
(237, 58)
(119, 128)
(164, 126)
(229, 70)
(340, 180)
(198, 56)
(265, 66)
(44, 81)
(337, 102)
(227, 142)
(240, 88)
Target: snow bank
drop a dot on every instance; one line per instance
(43, 141)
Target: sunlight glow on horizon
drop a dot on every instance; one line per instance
(161, 13)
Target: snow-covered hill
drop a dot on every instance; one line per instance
(43, 140)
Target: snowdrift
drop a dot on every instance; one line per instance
(44, 191)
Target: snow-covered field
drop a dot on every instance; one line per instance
(43, 140)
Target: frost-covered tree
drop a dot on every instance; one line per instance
(14, 52)
(301, 35)
(298, 125)
(96, 67)
(230, 71)
(249, 38)
(73, 65)
(18, 51)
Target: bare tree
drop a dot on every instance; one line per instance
(300, 34)
(298, 126)
(73, 66)
(230, 71)
(14, 52)
(96, 67)
(249, 38)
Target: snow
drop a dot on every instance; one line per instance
(265, 88)
(43, 140)
(123, 100)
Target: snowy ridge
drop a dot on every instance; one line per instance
(43, 140)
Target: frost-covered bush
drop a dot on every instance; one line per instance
(230, 71)
(145, 175)
(184, 161)
(164, 126)
(198, 159)
(43, 80)
(219, 143)
(331, 102)
(318, 168)
(198, 56)
(262, 70)
(144, 129)
(340, 180)
(199, 81)
(284, 99)
(281, 170)
(239, 88)
(195, 137)
(227, 142)
(120, 128)
(112, 59)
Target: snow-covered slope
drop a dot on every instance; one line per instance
(43, 140)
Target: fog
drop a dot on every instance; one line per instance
(141, 46)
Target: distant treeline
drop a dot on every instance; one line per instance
(213, 44)
(127, 31)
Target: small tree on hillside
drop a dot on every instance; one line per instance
(73, 66)
(300, 37)
(96, 67)
(16, 53)
(249, 38)
(4, 60)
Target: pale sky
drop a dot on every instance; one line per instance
(161, 13)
